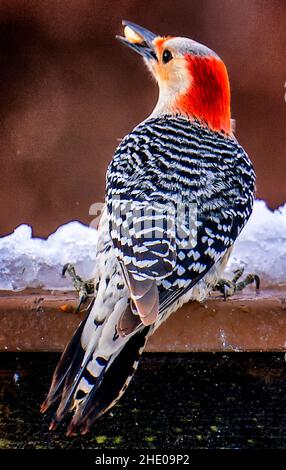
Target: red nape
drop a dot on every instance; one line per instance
(208, 97)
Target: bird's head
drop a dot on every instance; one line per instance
(192, 79)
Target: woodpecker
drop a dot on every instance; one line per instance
(179, 190)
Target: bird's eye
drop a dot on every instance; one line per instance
(167, 56)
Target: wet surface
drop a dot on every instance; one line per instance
(176, 401)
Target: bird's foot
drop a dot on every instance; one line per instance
(231, 287)
(84, 288)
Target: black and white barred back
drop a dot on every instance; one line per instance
(168, 161)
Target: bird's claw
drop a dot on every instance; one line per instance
(231, 287)
(84, 288)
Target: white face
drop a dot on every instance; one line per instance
(192, 79)
(171, 69)
(168, 59)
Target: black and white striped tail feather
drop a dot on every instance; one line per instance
(115, 381)
(116, 372)
(68, 365)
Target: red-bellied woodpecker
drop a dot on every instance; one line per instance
(179, 190)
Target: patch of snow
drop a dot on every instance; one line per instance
(34, 262)
(261, 246)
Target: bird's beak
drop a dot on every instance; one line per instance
(139, 39)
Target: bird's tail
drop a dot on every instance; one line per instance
(92, 375)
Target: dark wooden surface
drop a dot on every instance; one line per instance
(176, 401)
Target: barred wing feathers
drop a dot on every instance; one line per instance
(166, 163)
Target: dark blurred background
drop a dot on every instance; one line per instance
(69, 91)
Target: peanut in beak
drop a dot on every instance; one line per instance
(131, 36)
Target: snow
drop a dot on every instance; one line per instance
(34, 262)
(261, 246)
(26, 261)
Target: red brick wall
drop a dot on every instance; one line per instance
(68, 91)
